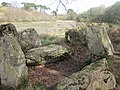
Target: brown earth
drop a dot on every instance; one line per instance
(51, 74)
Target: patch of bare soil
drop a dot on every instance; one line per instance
(51, 74)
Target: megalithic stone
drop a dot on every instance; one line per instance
(29, 39)
(98, 41)
(12, 60)
(10, 29)
(92, 77)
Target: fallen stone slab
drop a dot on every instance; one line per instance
(47, 54)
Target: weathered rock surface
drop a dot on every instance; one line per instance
(115, 38)
(94, 38)
(98, 41)
(92, 77)
(47, 54)
(8, 29)
(29, 39)
(12, 60)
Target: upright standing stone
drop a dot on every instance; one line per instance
(8, 28)
(29, 39)
(115, 38)
(98, 41)
(12, 61)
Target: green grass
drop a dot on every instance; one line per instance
(24, 84)
(38, 86)
(48, 39)
(98, 88)
(110, 62)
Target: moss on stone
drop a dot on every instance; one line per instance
(48, 54)
(89, 78)
(10, 70)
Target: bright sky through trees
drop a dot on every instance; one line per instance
(77, 5)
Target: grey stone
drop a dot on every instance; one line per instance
(115, 38)
(98, 41)
(94, 38)
(47, 54)
(91, 77)
(29, 39)
(12, 65)
(8, 29)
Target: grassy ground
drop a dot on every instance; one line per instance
(55, 28)
(11, 14)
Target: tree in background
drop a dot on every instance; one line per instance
(101, 14)
(94, 12)
(91, 15)
(28, 6)
(5, 4)
(70, 14)
(112, 14)
(61, 2)
(44, 8)
(33, 6)
(54, 13)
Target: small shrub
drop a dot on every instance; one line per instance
(24, 84)
(110, 62)
(88, 61)
(38, 86)
(98, 88)
(48, 39)
(75, 36)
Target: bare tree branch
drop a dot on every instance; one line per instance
(52, 3)
(58, 5)
(63, 4)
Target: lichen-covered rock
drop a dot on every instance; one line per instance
(29, 39)
(98, 41)
(47, 54)
(8, 29)
(115, 38)
(94, 38)
(92, 77)
(12, 59)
